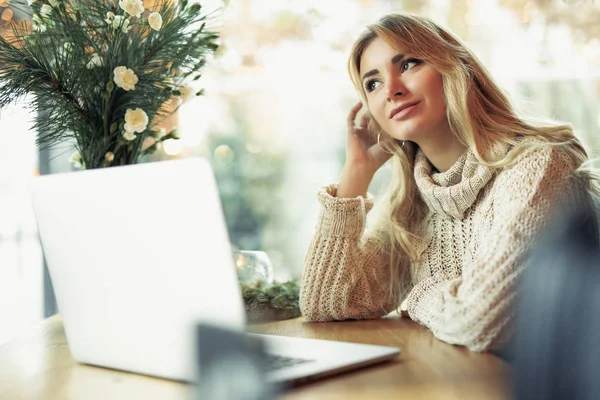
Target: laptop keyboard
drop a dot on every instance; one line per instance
(277, 362)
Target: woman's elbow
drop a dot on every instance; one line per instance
(479, 346)
(476, 340)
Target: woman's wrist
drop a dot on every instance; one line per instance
(354, 181)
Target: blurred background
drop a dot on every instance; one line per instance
(272, 121)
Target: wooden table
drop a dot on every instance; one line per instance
(38, 365)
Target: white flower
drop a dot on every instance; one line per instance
(132, 7)
(53, 3)
(46, 10)
(76, 160)
(162, 132)
(109, 17)
(30, 2)
(119, 19)
(109, 156)
(96, 61)
(61, 52)
(187, 93)
(135, 121)
(126, 26)
(155, 21)
(125, 78)
(39, 27)
(130, 136)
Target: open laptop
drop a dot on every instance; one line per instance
(139, 255)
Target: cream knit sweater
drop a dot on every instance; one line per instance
(474, 241)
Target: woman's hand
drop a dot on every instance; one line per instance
(364, 156)
(362, 149)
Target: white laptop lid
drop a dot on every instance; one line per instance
(128, 295)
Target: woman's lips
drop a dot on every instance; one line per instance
(404, 112)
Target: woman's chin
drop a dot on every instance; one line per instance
(404, 136)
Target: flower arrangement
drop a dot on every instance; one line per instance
(105, 73)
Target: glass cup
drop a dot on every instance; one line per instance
(253, 267)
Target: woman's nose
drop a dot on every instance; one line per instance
(395, 88)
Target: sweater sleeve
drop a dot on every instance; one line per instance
(475, 309)
(346, 272)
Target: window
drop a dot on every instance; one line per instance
(272, 121)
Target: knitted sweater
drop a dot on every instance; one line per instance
(473, 244)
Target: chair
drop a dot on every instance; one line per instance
(556, 347)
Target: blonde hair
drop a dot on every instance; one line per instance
(478, 114)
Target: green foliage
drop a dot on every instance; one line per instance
(66, 57)
(271, 302)
(244, 178)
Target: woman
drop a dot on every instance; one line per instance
(473, 186)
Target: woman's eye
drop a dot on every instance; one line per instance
(410, 63)
(372, 85)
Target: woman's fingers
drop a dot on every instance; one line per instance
(352, 116)
(364, 122)
(365, 136)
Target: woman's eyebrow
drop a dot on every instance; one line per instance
(396, 59)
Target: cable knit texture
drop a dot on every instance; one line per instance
(474, 237)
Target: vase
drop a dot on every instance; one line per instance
(253, 267)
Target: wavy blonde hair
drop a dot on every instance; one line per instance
(477, 111)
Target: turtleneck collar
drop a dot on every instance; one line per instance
(452, 192)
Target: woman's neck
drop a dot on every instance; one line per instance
(443, 154)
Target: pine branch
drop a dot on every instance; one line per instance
(67, 63)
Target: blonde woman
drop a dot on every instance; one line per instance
(473, 185)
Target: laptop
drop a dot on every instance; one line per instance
(139, 255)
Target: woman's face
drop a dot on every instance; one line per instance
(404, 95)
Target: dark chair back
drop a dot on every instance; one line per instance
(556, 347)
